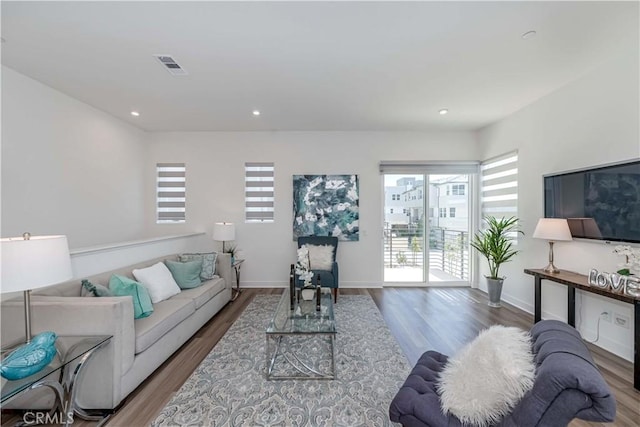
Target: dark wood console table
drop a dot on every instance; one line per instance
(575, 281)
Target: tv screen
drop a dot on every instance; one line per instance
(599, 203)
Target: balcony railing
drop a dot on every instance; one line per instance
(448, 249)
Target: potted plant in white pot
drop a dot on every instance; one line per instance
(495, 244)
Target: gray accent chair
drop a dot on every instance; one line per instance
(568, 385)
(328, 279)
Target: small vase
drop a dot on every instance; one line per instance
(307, 294)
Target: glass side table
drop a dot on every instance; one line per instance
(60, 376)
(237, 264)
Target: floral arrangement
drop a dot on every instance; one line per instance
(303, 265)
(631, 262)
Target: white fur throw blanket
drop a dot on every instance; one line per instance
(488, 377)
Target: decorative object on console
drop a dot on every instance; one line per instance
(224, 232)
(494, 243)
(632, 286)
(30, 358)
(631, 262)
(553, 230)
(620, 283)
(326, 205)
(33, 262)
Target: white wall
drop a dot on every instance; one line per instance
(592, 121)
(98, 259)
(68, 168)
(215, 188)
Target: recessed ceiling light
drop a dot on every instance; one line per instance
(135, 113)
(256, 112)
(529, 35)
(443, 111)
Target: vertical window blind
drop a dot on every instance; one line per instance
(499, 186)
(170, 193)
(259, 192)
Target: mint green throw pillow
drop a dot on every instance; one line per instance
(186, 274)
(122, 286)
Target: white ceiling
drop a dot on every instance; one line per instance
(313, 65)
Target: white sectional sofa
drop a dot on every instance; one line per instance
(138, 347)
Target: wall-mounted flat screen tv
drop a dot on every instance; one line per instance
(600, 203)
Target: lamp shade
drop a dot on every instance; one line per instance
(555, 229)
(35, 263)
(224, 231)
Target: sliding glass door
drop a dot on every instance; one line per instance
(427, 219)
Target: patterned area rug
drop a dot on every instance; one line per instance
(229, 387)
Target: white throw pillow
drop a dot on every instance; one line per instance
(487, 378)
(158, 281)
(320, 257)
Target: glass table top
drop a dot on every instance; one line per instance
(304, 318)
(69, 349)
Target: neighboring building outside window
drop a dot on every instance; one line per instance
(452, 212)
(443, 212)
(457, 189)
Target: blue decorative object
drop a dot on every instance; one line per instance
(326, 205)
(30, 358)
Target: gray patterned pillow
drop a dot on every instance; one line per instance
(208, 263)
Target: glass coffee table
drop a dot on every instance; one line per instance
(300, 341)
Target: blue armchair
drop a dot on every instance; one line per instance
(328, 279)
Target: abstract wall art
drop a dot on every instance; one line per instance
(326, 205)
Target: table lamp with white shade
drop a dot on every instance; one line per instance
(33, 262)
(553, 230)
(224, 232)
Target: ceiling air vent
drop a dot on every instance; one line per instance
(170, 64)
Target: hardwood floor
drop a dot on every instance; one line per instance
(441, 319)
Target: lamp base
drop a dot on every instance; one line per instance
(551, 269)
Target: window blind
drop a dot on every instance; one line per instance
(428, 167)
(170, 193)
(259, 192)
(499, 186)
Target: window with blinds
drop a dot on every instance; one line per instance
(170, 193)
(259, 192)
(499, 186)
